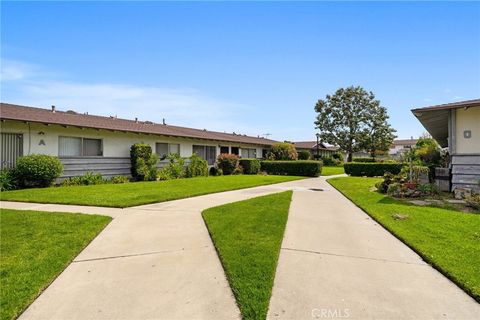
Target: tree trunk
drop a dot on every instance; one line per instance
(350, 157)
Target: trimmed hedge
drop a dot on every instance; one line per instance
(360, 169)
(369, 160)
(250, 166)
(227, 162)
(307, 168)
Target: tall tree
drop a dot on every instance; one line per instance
(345, 120)
(379, 135)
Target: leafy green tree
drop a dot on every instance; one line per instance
(350, 117)
(379, 135)
(283, 151)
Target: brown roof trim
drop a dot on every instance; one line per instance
(46, 116)
(405, 142)
(453, 105)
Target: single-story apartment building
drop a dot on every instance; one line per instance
(456, 126)
(400, 146)
(102, 144)
(311, 146)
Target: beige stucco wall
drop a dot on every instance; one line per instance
(115, 144)
(468, 119)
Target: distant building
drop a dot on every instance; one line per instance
(399, 147)
(311, 146)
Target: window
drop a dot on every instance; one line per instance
(249, 153)
(235, 151)
(79, 147)
(164, 149)
(208, 153)
(264, 153)
(224, 150)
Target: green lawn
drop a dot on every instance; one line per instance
(447, 239)
(248, 236)
(330, 171)
(138, 193)
(35, 248)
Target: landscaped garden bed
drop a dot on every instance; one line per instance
(447, 239)
(36, 247)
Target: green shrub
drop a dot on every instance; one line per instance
(142, 166)
(428, 189)
(119, 179)
(87, 179)
(227, 162)
(394, 188)
(371, 169)
(38, 170)
(8, 180)
(330, 161)
(304, 155)
(214, 171)
(283, 151)
(308, 168)
(146, 170)
(175, 169)
(363, 160)
(197, 167)
(338, 156)
(250, 166)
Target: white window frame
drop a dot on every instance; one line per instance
(82, 147)
(169, 148)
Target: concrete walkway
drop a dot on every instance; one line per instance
(151, 262)
(336, 262)
(157, 262)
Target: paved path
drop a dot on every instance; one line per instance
(336, 262)
(151, 262)
(157, 262)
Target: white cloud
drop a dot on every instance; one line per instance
(12, 70)
(179, 106)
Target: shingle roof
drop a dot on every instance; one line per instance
(453, 105)
(31, 114)
(312, 145)
(405, 142)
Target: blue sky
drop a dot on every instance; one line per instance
(249, 67)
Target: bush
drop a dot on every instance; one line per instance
(283, 151)
(174, 169)
(363, 160)
(8, 180)
(227, 162)
(338, 156)
(119, 179)
(214, 171)
(142, 166)
(250, 166)
(87, 179)
(428, 189)
(330, 161)
(146, 170)
(38, 170)
(304, 155)
(308, 168)
(394, 188)
(197, 167)
(371, 169)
